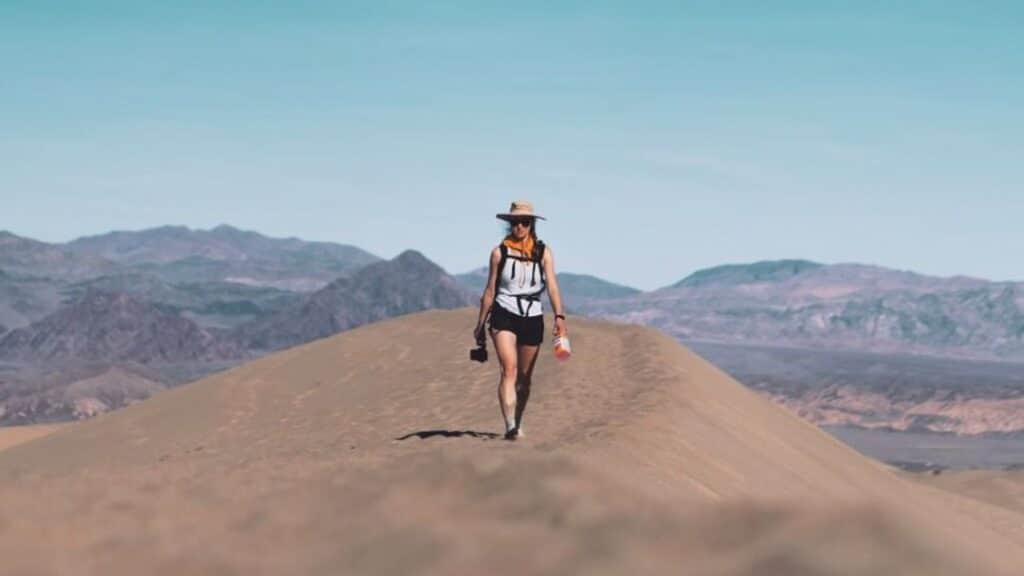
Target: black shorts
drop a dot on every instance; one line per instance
(529, 331)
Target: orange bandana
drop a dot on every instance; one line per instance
(525, 246)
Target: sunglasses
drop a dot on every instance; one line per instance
(525, 222)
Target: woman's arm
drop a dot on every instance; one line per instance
(488, 296)
(553, 293)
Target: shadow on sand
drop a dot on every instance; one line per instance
(424, 434)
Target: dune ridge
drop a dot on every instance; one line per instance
(377, 451)
(14, 435)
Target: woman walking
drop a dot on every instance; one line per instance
(522, 268)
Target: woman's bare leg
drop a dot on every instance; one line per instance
(505, 344)
(524, 379)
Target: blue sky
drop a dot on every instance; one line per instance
(658, 138)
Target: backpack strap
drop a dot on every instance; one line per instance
(504, 259)
(538, 259)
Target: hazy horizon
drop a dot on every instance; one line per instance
(658, 138)
(682, 275)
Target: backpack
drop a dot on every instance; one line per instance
(536, 258)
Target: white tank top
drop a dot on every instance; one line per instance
(520, 285)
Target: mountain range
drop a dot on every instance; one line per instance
(798, 303)
(169, 304)
(851, 345)
(110, 326)
(96, 323)
(24, 257)
(221, 277)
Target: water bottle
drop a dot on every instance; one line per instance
(562, 348)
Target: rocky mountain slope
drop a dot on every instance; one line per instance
(31, 258)
(114, 327)
(25, 299)
(408, 283)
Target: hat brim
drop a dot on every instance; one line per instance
(507, 217)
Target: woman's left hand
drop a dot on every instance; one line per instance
(561, 329)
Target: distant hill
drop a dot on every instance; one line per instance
(474, 281)
(31, 258)
(789, 279)
(735, 274)
(408, 283)
(579, 287)
(180, 254)
(113, 327)
(843, 306)
(75, 392)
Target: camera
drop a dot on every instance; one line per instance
(478, 354)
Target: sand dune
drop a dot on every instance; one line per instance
(376, 451)
(14, 435)
(999, 487)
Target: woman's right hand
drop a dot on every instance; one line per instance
(478, 335)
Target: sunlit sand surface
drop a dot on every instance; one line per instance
(377, 452)
(14, 435)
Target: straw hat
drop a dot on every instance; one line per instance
(520, 209)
